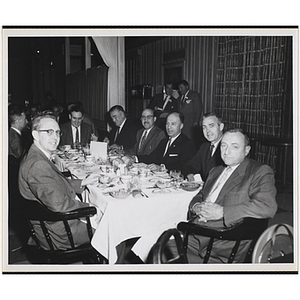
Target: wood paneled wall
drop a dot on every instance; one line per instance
(145, 65)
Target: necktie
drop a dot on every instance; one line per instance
(77, 136)
(165, 102)
(218, 185)
(117, 133)
(168, 146)
(210, 151)
(182, 100)
(143, 140)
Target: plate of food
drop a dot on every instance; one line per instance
(121, 194)
(190, 186)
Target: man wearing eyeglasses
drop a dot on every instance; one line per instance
(76, 132)
(40, 180)
(148, 137)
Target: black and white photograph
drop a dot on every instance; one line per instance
(150, 149)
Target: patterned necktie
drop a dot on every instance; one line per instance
(143, 140)
(77, 136)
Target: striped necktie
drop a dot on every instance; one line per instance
(77, 136)
(143, 140)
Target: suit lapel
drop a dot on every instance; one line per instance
(235, 178)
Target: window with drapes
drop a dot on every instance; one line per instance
(252, 88)
(90, 88)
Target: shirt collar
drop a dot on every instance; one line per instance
(17, 130)
(175, 137)
(121, 126)
(46, 153)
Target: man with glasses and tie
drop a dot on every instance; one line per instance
(40, 180)
(75, 132)
(241, 188)
(173, 151)
(208, 155)
(149, 137)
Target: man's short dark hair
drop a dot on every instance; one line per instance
(75, 108)
(211, 114)
(234, 130)
(118, 108)
(14, 113)
(184, 82)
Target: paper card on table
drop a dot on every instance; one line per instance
(98, 149)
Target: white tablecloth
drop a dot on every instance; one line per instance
(121, 219)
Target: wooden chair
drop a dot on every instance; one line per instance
(34, 211)
(159, 247)
(247, 229)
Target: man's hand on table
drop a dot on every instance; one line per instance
(90, 180)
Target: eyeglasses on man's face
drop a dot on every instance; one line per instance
(146, 117)
(50, 132)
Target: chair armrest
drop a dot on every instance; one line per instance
(246, 229)
(35, 211)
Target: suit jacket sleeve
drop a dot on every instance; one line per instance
(194, 165)
(154, 156)
(187, 152)
(42, 180)
(258, 201)
(16, 146)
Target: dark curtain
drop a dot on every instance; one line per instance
(253, 89)
(90, 88)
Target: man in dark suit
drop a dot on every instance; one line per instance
(163, 104)
(123, 135)
(173, 151)
(242, 188)
(75, 132)
(149, 137)
(40, 180)
(190, 105)
(18, 123)
(209, 155)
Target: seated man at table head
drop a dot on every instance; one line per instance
(241, 188)
(209, 154)
(40, 180)
(148, 137)
(76, 132)
(123, 135)
(173, 151)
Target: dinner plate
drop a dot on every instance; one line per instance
(119, 194)
(160, 173)
(190, 186)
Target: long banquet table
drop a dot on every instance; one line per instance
(144, 216)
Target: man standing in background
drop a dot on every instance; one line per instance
(190, 105)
